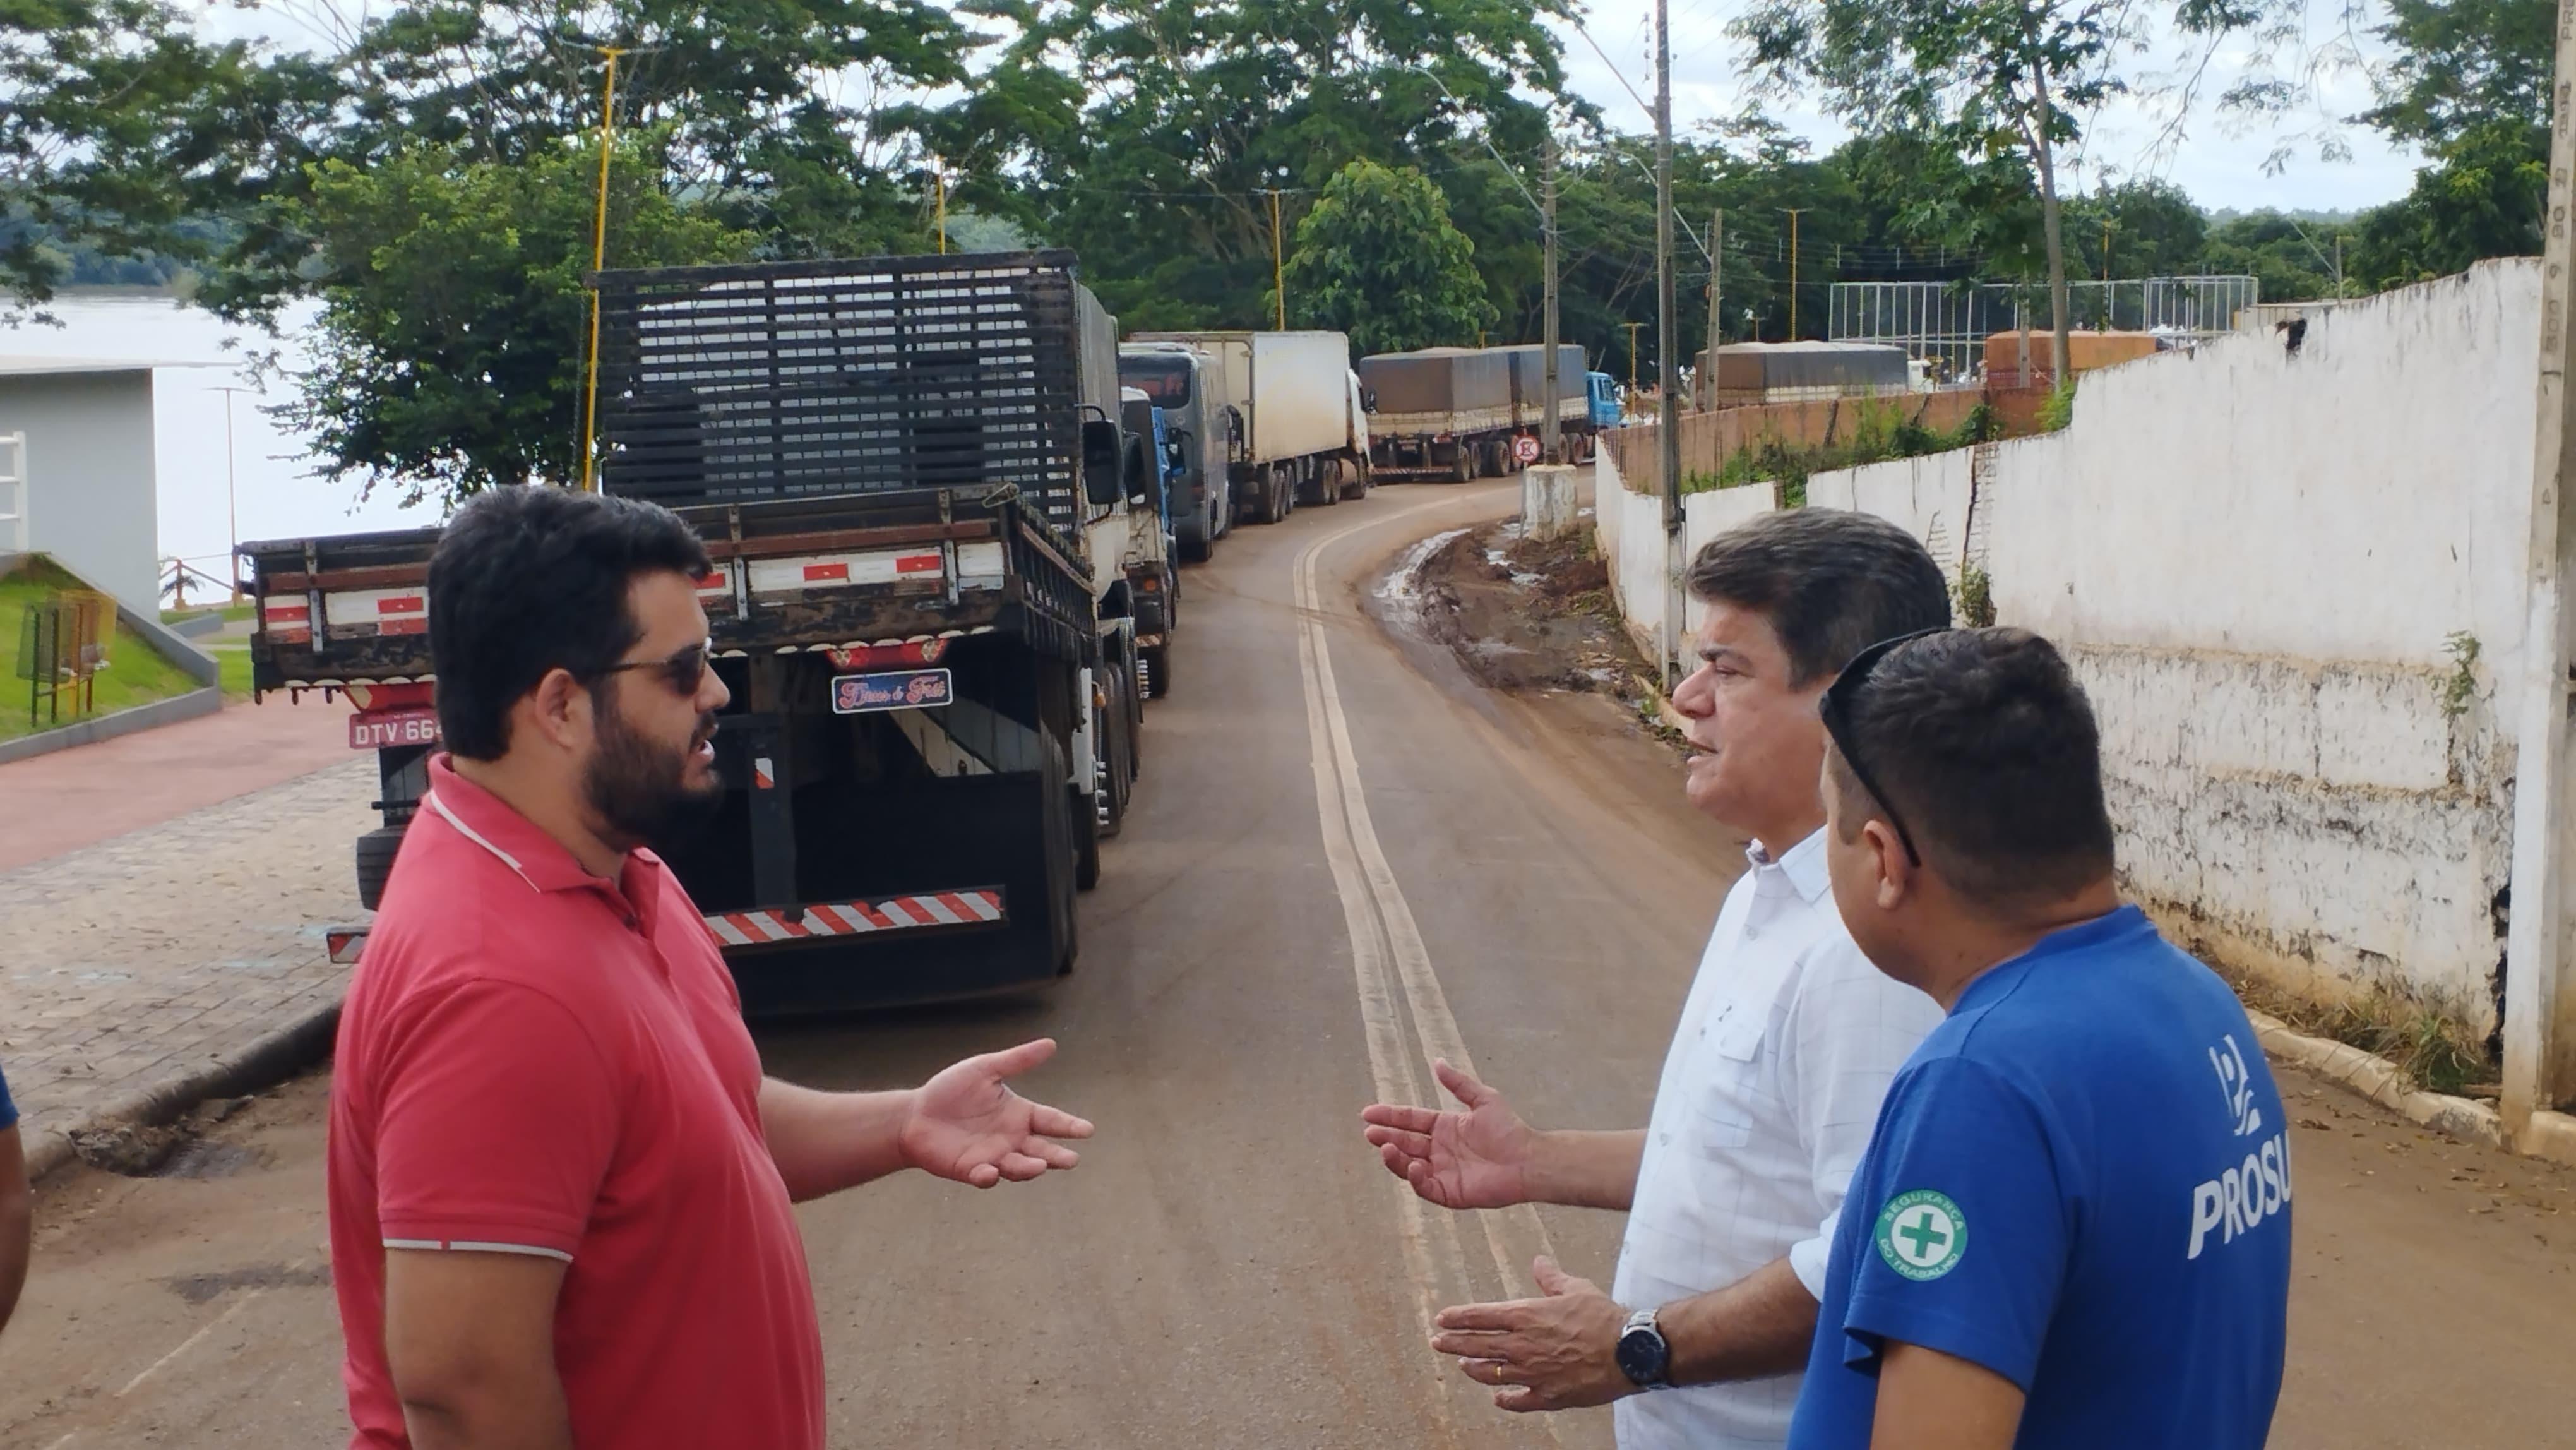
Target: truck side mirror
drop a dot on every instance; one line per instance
(1139, 478)
(1368, 400)
(1101, 463)
(1176, 447)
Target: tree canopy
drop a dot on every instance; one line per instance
(1379, 260)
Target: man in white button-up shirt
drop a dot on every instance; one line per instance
(1773, 1081)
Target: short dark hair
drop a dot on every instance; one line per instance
(1985, 745)
(530, 579)
(1831, 583)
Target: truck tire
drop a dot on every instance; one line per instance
(1056, 829)
(376, 851)
(1196, 539)
(1283, 493)
(1465, 468)
(1133, 691)
(1157, 662)
(1324, 485)
(1112, 726)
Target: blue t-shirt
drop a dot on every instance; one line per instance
(2081, 1181)
(8, 1109)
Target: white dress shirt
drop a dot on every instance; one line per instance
(1785, 1048)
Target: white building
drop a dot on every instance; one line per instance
(88, 495)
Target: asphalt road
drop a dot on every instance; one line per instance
(1345, 857)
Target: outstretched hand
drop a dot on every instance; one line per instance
(1473, 1159)
(967, 1125)
(1556, 1352)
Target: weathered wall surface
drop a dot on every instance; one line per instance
(1709, 439)
(1630, 535)
(2260, 565)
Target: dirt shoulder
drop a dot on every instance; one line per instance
(1536, 617)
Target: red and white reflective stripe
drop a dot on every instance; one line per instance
(858, 918)
(831, 571)
(345, 943)
(287, 619)
(763, 776)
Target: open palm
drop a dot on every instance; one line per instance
(1473, 1159)
(969, 1126)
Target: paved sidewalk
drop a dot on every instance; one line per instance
(50, 804)
(142, 972)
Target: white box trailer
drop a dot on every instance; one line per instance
(1289, 436)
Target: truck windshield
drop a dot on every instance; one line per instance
(1166, 380)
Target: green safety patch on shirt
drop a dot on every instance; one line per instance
(1921, 1234)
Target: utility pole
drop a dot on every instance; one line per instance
(1550, 430)
(1794, 213)
(1666, 334)
(1278, 261)
(598, 262)
(2536, 1072)
(2338, 264)
(939, 179)
(1716, 251)
(232, 505)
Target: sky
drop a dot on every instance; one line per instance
(2222, 169)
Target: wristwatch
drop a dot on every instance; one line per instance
(1643, 1356)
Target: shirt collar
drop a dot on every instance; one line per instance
(2107, 929)
(1801, 869)
(493, 824)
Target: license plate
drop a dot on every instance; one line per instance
(394, 727)
(890, 690)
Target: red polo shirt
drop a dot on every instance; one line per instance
(534, 1060)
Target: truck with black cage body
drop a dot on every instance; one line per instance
(914, 481)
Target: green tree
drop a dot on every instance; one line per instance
(2460, 63)
(451, 347)
(2482, 197)
(1990, 79)
(1377, 258)
(107, 117)
(1146, 134)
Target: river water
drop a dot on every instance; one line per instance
(272, 475)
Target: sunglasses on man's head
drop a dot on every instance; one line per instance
(1836, 708)
(683, 671)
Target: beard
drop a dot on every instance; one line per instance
(638, 789)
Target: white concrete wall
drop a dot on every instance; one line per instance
(92, 504)
(1927, 495)
(1629, 530)
(2255, 563)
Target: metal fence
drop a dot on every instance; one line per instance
(62, 645)
(1947, 323)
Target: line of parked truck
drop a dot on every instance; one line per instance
(945, 507)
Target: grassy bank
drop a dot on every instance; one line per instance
(135, 674)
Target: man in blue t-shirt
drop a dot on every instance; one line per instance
(2072, 1226)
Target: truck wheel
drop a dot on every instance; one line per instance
(1157, 664)
(376, 851)
(1283, 493)
(1084, 811)
(1465, 468)
(1132, 690)
(1057, 835)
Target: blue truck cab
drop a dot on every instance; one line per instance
(1601, 392)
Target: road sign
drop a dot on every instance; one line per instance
(1525, 448)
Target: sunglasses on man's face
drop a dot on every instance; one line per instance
(683, 671)
(1836, 708)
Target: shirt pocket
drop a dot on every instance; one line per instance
(1728, 1093)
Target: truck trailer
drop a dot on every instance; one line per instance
(1283, 401)
(912, 476)
(1459, 412)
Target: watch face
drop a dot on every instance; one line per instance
(1641, 1355)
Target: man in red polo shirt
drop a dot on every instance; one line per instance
(559, 1182)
